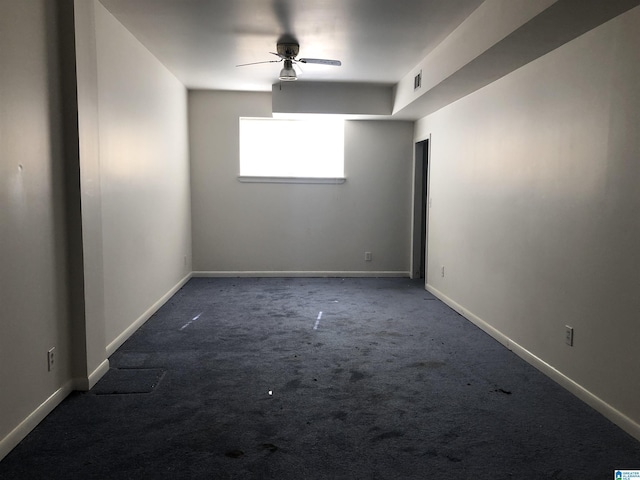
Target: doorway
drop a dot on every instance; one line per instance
(420, 210)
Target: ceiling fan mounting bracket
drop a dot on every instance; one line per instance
(288, 50)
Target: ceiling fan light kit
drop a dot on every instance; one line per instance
(288, 74)
(288, 52)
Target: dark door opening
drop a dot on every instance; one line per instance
(421, 200)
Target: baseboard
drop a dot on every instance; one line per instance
(297, 274)
(9, 442)
(25, 427)
(595, 402)
(124, 336)
(86, 384)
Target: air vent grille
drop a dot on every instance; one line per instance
(417, 81)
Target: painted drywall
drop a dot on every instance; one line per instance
(84, 209)
(266, 227)
(33, 293)
(535, 200)
(496, 39)
(144, 177)
(489, 24)
(331, 98)
(94, 202)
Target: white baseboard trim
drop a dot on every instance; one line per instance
(299, 274)
(28, 424)
(595, 402)
(124, 336)
(98, 373)
(9, 442)
(25, 427)
(86, 384)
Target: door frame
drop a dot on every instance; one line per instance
(420, 215)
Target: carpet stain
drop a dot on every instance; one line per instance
(234, 453)
(500, 390)
(282, 315)
(387, 435)
(339, 415)
(429, 365)
(292, 384)
(269, 447)
(386, 333)
(356, 376)
(557, 474)
(449, 436)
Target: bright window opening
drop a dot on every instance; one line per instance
(284, 148)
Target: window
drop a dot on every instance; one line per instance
(291, 150)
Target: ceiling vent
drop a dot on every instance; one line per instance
(417, 81)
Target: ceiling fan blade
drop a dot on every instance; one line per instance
(321, 61)
(257, 63)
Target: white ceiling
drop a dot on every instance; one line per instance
(201, 41)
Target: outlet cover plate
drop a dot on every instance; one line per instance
(568, 335)
(51, 359)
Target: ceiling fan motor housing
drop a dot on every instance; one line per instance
(288, 50)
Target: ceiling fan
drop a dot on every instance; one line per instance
(288, 51)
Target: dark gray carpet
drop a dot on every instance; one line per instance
(387, 383)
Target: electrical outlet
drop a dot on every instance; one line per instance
(442, 271)
(51, 359)
(568, 335)
(367, 256)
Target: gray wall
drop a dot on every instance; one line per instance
(275, 228)
(144, 178)
(82, 264)
(33, 291)
(534, 184)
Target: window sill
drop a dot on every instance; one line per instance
(320, 180)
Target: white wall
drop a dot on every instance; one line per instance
(144, 178)
(534, 181)
(110, 142)
(86, 273)
(259, 227)
(33, 293)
